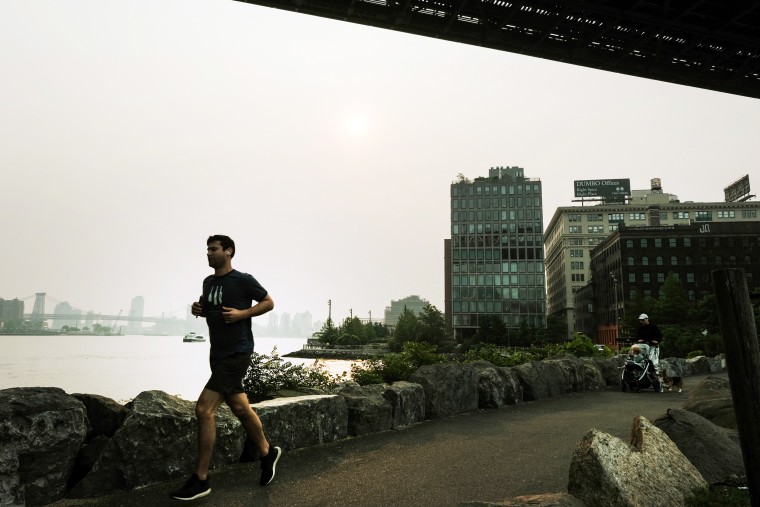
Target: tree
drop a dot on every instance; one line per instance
(406, 329)
(329, 333)
(353, 326)
(431, 326)
(492, 330)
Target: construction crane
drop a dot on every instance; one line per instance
(115, 321)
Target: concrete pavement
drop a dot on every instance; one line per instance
(486, 455)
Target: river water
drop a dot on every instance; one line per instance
(121, 367)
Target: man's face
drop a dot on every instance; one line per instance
(643, 321)
(215, 254)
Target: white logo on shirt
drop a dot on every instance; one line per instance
(215, 296)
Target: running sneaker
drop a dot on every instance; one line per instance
(268, 465)
(193, 488)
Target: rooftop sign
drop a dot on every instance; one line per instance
(609, 189)
(738, 189)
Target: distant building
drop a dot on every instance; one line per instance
(11, 310)
(636, 260)
(413, 303)
(574, 231)
(494, 262)
(136, 312)
(66, 315)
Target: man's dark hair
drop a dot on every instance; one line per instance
(223, 240)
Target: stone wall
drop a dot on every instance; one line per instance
(55, 445)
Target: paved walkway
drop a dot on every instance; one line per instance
(486, 455)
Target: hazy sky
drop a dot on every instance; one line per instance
(130, 131)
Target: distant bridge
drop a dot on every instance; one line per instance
(95, 317)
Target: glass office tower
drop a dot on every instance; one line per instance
(495, 258)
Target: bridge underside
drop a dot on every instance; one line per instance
(706, 44)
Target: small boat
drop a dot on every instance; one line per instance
(192, 337)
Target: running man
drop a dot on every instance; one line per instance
(227, 305)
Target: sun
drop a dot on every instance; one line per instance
(356, 125)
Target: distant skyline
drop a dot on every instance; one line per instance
(132, 131)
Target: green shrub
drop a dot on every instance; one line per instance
(581, 346)
(267, 374)
(396, 366)
(694, 353)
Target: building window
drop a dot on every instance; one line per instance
(577, 277)
(703, 260)
(645, 277)
(658, 261)
(749, 213)
(596, 241)
(644, 243)
(660, 277)
(576, 241)
(632, 277)
(674, 261)
(573, 217)
(576, 229)
(629, 243)
(703, 216)
(576, 265)
(613, 227)
(690, 277)
(616, 217)
(683, 215)
(727, 214)
(732, 260)
(595, 229)
(687, 242)
(576, 253)
(645, 261)
(687, 260)
(692, 295)
(663, 215)
(672, 242)
(637, 216)
(747, 260)
(630, 261)
(718, 260)
(594, 217)
(658, 242)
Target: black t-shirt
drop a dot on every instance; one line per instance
(233, 290)
(649, 333)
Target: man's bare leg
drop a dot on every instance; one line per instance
(239, 405)
(205, 411)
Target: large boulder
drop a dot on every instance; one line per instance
(553, 377)
(368, 411)
(157, 441)
(303, 421)
(407, 403)
(675, 367)
(610, 368)
(496, 386)
(41, 431)
(650, 470)
(450, 388)
(711, 399)
(105, 415)
(710, 448)
(700, 365)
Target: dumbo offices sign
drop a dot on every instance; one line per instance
(602, 188)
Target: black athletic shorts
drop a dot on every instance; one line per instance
(227, 373)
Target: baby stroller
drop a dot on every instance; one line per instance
(638, 376)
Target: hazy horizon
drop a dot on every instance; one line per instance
(133, 131)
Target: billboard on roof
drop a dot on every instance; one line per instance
(737, 189)
(608, 189)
